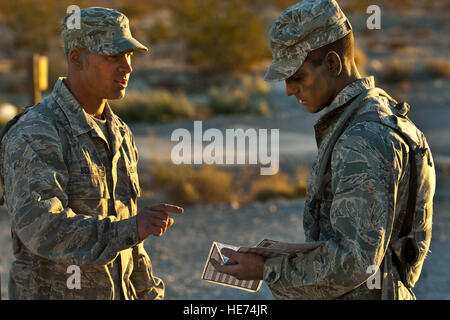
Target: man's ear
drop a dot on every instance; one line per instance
(334, 63)
(75, 58)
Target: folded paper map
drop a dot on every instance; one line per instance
(266, 248)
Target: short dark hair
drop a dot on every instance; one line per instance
(343, 47)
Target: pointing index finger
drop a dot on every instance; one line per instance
(168, 208)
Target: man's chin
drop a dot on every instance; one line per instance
(117, 95)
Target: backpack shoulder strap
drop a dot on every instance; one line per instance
(325, 160)
(326, 157)
(356, 103)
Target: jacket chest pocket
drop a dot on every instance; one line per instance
(88, 170)
(127, 182)
(88, 185)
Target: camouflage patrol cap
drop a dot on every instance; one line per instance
(301, 28)
(101, 30)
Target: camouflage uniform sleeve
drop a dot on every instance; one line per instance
(366, 169)
(146, 285)
(36, 177)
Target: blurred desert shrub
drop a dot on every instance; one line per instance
(360, 6)
(274, 186)
(157, 106)
(355, 6)
(220, 35)
(397, 44)
(34, 23)
(161, 31)
(247, 97)
(438, 68)
(189, 186)
(137, 8)
(37, 24)
(395, 71)
(360, 60)
(279, 186)
(228, 101)
(301, 182)
(208, 184)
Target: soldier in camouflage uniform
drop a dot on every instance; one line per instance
(69, 171)
(312, 45)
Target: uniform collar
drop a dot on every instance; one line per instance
(330, 114)
(78, 119)
(349, 92)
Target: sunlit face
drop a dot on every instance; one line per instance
(312, 85)
(106, 76)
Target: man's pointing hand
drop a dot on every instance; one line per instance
(155, 220)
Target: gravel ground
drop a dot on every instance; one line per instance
(194, 232)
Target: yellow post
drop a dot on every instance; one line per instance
(39, 77)
(43, 73)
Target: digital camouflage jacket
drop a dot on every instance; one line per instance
(72, 196)
(367, 190)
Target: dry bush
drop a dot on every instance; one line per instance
(221, 36)
(207, 184)
(248, 96)
(279, 186)
(157, 106)
(396, 71)
(354, 6)
(302, 175)
(274, 186)
(397, 44)
(188, 186)
(360, 60)
(438, 68)
(161, 32)
(228, 101)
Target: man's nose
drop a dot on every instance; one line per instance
(290, 89)
(125, 66)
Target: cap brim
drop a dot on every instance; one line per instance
(280, 70)
(126, 44)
